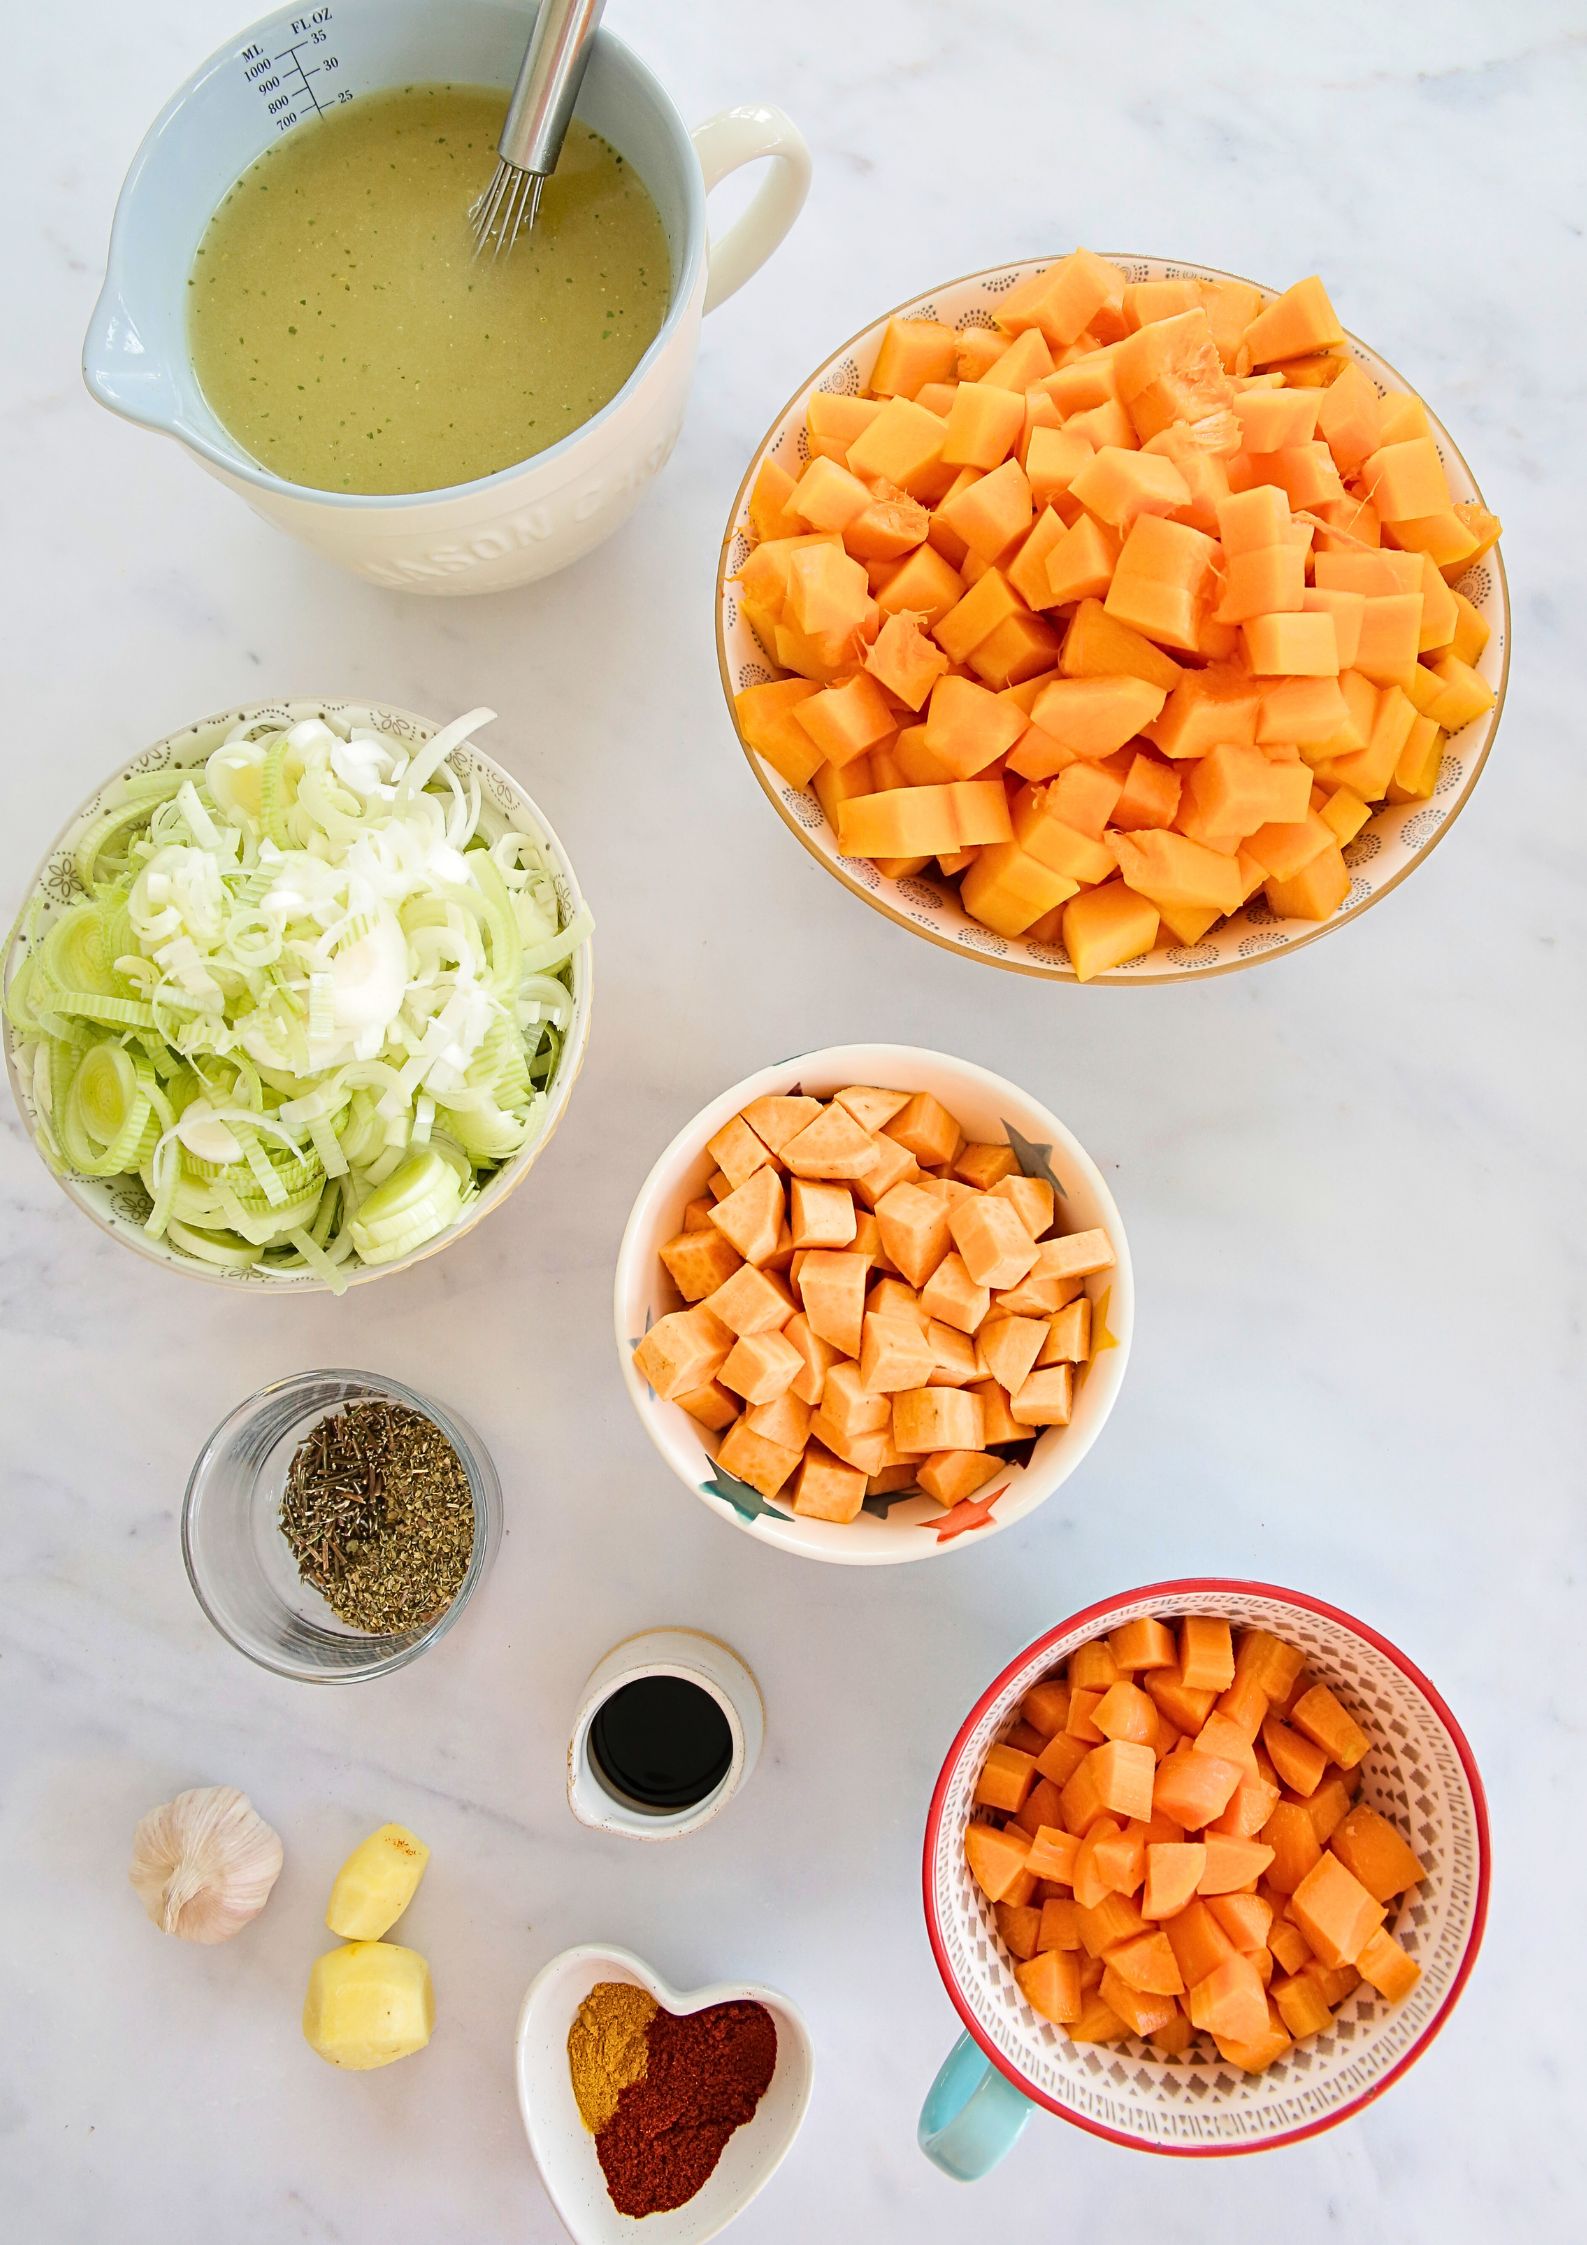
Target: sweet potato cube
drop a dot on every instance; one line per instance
(926, 1129)
(761, 1366)
(750, 1301)
(871, 1107)
(711, 1405)
(816, 1358)
(1335, 1912)
(750, 1458)
(949, 1293)
(1370, 1848)
(1330, 1725)
(1009, 1348)
(738, 1152)
(683, 1350)
(1231, 1863)
(1296, 1849)
(1144, 1642)
(699, 1261)
(832, 1146)
(894, 1354)
(996, 1858)
(751, 1216)
(1186, 1708)
(1054, 1853)
(1173, 1873)
(1082, 1802)
(849, 1406)
(782, 1418)
(821, 1214)
(955, 1363)
(1193, 1789)
(1221, 1736)
(1068, 1334)
(1387, 1967)
(1199, 1943)
(893, 1165)
(1230, 2002)
(869, 1452)
(949, 1475)
(827, 1489)
(1046, 1399)
(832, 1290)
(927, 1419)
(1098, 2022)
(1245, 1702)
(1050, 1984)
(1289, 1947)
(914, 1226)
(1084, 1700)
(996, 1247)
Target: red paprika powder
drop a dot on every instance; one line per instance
(705, 2075)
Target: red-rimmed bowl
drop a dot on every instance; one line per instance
(1419, 1772)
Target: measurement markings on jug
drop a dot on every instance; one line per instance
(283, 81)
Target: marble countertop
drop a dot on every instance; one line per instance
(1352, 1182)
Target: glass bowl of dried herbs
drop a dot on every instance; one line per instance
(337, 1523)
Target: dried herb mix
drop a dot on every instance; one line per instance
(379, 1516)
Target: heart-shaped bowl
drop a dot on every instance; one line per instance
(564, 2149)
(894, 1527)
(118, 1205)
(1389, 847)
(1419, 1772)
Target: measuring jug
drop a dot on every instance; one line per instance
(282, 75)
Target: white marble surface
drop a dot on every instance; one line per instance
(1351, 1180)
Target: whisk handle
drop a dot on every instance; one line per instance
(548, 83)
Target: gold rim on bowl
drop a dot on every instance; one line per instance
(1115, 977)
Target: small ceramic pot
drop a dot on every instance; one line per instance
(698, 1659)
(563, 2148)
(528, 520)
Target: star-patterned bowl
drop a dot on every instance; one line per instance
(905, 1524)
(1419, 1772)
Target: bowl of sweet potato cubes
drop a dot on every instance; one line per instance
(873, 1304)
(1113, 619)
(1207, 1867)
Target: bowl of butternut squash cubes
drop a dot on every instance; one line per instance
(873, 1304)
(1207, 1867)
(1112, 619)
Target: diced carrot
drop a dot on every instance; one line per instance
(1245, 1918)
(1019, 1924)
(1369, 1847)
(1232, 1864)
(1143, 2014)
(1173, 1874)
(1193, 1788)
(1054, 1854)
(1050, 1983)
(1326, 1721)
(1148, 1963)
(1335, 1912)
(996, 1858)
(1104, 1924)
(1296, 1849)
(1006, 1777)
(1206, 1653)
(1060, 1923)
(1387, 1966)
(1230, 2002)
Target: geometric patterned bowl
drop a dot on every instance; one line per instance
(900, 1525)
(1419, 1773)
(118, 1205)
(1394, 841)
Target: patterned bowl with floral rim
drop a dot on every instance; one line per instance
(1395, 840)
(119, 1205)
(904, 1524)
(1419, 1772)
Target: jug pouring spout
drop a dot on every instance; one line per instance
(124, 372)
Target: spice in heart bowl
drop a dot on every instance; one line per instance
(874, 1303)
(1259, 1952)
(644, 2101)
(1113, 619)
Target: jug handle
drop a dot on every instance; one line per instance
(973, 2115)
(724, 144)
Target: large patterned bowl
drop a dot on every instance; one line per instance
(118, 1205)
(1394, 842)
(1419, 1772)
(899, 1526)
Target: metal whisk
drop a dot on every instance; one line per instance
(537, 123)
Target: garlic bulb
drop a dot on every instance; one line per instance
(204, 1863)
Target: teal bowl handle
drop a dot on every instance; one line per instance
(972, 2115)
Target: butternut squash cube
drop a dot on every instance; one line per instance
(901, 445)
(913, 352)
(1105, 926)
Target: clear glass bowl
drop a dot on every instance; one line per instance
(240, 1565)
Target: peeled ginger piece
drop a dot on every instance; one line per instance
(368, 2003)
(376, 1884)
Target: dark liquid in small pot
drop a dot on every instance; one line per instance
(662, 1742)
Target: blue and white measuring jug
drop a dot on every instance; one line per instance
(280, 76)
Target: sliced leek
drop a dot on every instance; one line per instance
(315, 994)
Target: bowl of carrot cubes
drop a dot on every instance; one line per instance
(1207, 1867)
(874, 1304)
(1112, 619)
